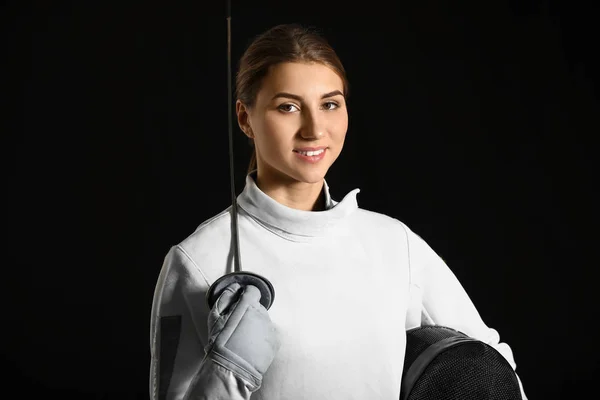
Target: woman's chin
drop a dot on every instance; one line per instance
(310, 175)
(298, 172)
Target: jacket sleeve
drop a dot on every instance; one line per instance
(445, 302)
(178, 334)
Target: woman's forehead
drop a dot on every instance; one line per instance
(302, 79)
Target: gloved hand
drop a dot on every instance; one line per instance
(242, 337)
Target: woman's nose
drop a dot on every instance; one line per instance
(314, 127)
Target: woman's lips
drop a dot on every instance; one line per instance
(311, 159)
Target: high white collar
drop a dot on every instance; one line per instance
(290, 220)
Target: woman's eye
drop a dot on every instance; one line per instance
(330, 105)
(287, 108)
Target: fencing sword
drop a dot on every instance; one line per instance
(244, 278)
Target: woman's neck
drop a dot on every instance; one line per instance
(298, 195)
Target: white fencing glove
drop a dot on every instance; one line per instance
(242, 337)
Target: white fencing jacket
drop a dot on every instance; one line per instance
(348, 284)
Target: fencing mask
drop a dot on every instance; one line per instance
(444, 364)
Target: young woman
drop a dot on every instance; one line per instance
(349, 282)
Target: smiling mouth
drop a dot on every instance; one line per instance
(313, 156)
(310, 153)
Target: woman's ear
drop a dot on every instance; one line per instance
(243, 118)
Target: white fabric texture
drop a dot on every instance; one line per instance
(348, 284)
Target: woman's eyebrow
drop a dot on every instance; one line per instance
(299, 98)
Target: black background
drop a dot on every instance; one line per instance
(471, 123)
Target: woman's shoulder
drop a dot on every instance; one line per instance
(210, 232)
(380, 222)
(370, 216)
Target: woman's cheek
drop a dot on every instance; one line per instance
(274, 125)
(340, 125)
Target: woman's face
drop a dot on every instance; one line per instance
(299, 106)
